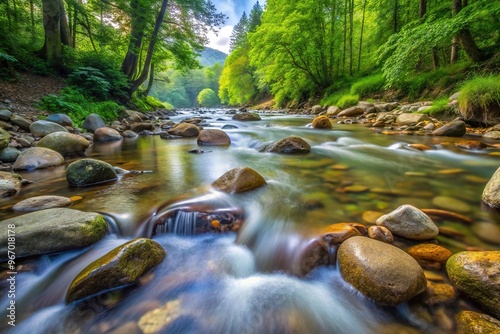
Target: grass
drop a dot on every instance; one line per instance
(368, 86)
(347, 101)
(479, 98)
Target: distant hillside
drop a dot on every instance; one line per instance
(211, 56)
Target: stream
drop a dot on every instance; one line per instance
(242, 282)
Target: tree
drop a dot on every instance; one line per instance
(255, 17)
(208, 98)
(55, 24)
(239, 33)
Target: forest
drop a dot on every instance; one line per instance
(146, 53)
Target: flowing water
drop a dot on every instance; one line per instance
(249, 282)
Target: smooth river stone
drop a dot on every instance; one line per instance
(10, 184)
(37, 158)
(239, 180)
(409, 222)
(452, 204)
(321, 122)
(469, 322)
(41, 203)
(491, 193)
(477, 275)
(489, 232)
(380, 271)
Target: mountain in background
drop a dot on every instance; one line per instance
(209, 57)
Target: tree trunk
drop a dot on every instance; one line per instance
(395, 16)
(435, 58)
(423, 8)
(454, 50)
(129, 64)
(147, 63)
(63, 21)
(151, 79)
(351, 33)
(361, 34)
(464, 37)
(52, 28)
(345, 36)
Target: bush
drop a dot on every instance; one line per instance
(208, 98)
(479, 99)
(149, 103)
(334, 98)
(368, 85)
(348, 101)
(439, 106)
(90, 81)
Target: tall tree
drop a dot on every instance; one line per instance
(255, 17)
(464, 37)
(56, 30)
(239, 33)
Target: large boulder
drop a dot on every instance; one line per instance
(491, 193)
(87, 172)
(351, 112)
(52, 230)
(43, 128)
(64, 143)
(61, 119)
(38, 158)
(409, 222)
(452, 129)
(184, 130)
(213, 137)
(41, 203)
(93, 122)
(105, 135)
(469, 322)
(380, 271)
(477, 275)
(21, 122)
(321, 122)
(122, 266)
(291, 144)
(411, 118)
(239, 180)
(10, 184)
(4, 139)
(246, 116)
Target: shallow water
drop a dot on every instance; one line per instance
(230, 283)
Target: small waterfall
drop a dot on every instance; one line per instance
(184, 223)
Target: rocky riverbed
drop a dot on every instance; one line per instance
(391, 257)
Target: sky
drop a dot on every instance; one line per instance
(233, 9)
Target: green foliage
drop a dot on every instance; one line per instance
(90, 81)
(149, 103)
(347, 101)
(368, 86)
(478, 95)
(77, 106)
(333, 99)
(439, 107)
(208, 98)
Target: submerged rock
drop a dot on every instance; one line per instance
(10, 184)
(52, 230)
(239, 180)
(64, 143)
(37, 158)
(291, 144)
(382, 272)
(491, 193)
(322, 122)
(122, 266)
(213, 137)
(469, 322)
(430, 255)
(106, 135)
(9, 154)
(477, 274)
(86, 172)
(409, 222)
(41, 203)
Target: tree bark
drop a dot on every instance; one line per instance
(129, 64)
(151, 80)
(52, 28)
(422, 8)
(147, 63)
(361, 34)
(351, 33)
(464, 37)
(63, 21)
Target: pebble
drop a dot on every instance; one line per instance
(438, 293)
(371, 216)
(380, 233)
(489, 232)
(452, 204)
(451, 171)
(356, 189)
(427, 254)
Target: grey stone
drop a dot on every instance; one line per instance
(41, 203)
(409, 222)
(105, 134)
(38, 158)
(21, 122)
(5, 115)
(61, 119)
(10, 184)
(87, 172)
(9, 154)
(64, 143)
(43, 128)
(411, 118)
(452, 129)
(93, 122)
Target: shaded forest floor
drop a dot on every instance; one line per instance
(20, 96)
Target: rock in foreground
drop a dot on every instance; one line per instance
(64, 143)
(239, 180)
(469, 322)
(491, 193)
(409, 222)
(291, 144)
(122, 266)
(41, 203)
(10, 184)
(87, 172)
(382, 272)
(37, 158)
(477, 274)
(213, 137)
(52, 230)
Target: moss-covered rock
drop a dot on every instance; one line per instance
(491, 193)
(291, 144)
(37, 158)
(122, 266)
(64, 143)
(322, 122)
(52, 230)
(469, 322)
(87, 172)
(477, 274)
(4, 139)
(239, 180)
(380, 271)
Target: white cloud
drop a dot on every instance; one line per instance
(220, 40)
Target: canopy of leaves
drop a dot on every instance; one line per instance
(208, 98)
